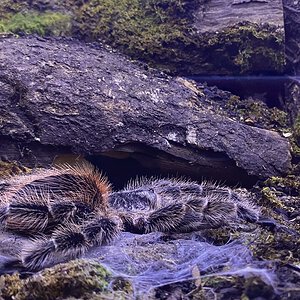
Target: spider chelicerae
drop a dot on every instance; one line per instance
(67, 210)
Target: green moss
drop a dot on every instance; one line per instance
(17, 6)
(8, 169)
(257, 113)
(121, 284)
(289, 184)
(296, 137)
(10, 285)
(220, 236)
(141, 28)
(279, 245)
(280, 200)
(237, 287)
(157, 31)
(10, 7)
(295, 149)
(249, 47)
(270, 199)
(161, 33)
(74, 279)
(48, 23)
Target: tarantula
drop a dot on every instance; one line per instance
(68, 210)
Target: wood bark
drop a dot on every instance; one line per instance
(214, 15)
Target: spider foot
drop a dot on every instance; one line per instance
(67, 242)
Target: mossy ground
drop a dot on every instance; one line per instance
(47, 23)
(295, 141)
(77, 279)
(242, 288)
(159, 32)
(11, 7)
(279, 198)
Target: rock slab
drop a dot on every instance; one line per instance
(90, 100)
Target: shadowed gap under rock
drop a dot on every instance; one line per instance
(270, 89)
(145, 161)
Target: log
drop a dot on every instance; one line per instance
(63, 96)
(217, 14)
(250, 35)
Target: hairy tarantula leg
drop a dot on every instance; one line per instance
(207, 212)
(68, 242)
(165, 219)
(102, 230)
(267, 222)
(248, 212)
(3, 187)
(214, 210)
(3, 214)
(39, 255)
(82, 181)
(73, 211)
(218, 213)
(26, 217)
(246, 209)
(26, 213)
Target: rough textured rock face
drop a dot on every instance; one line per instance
(291, 101)
(62, 100)
(92, 100)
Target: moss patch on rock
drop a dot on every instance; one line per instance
(257, 113)
(279, 198)
(250, 111)
(279, 246)
(79, 279)
(10, 7)
(48, 23)
(242, 288)
(17, 6)
(8, 169)
(295, 140)
(289, 185)
(161, 33)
